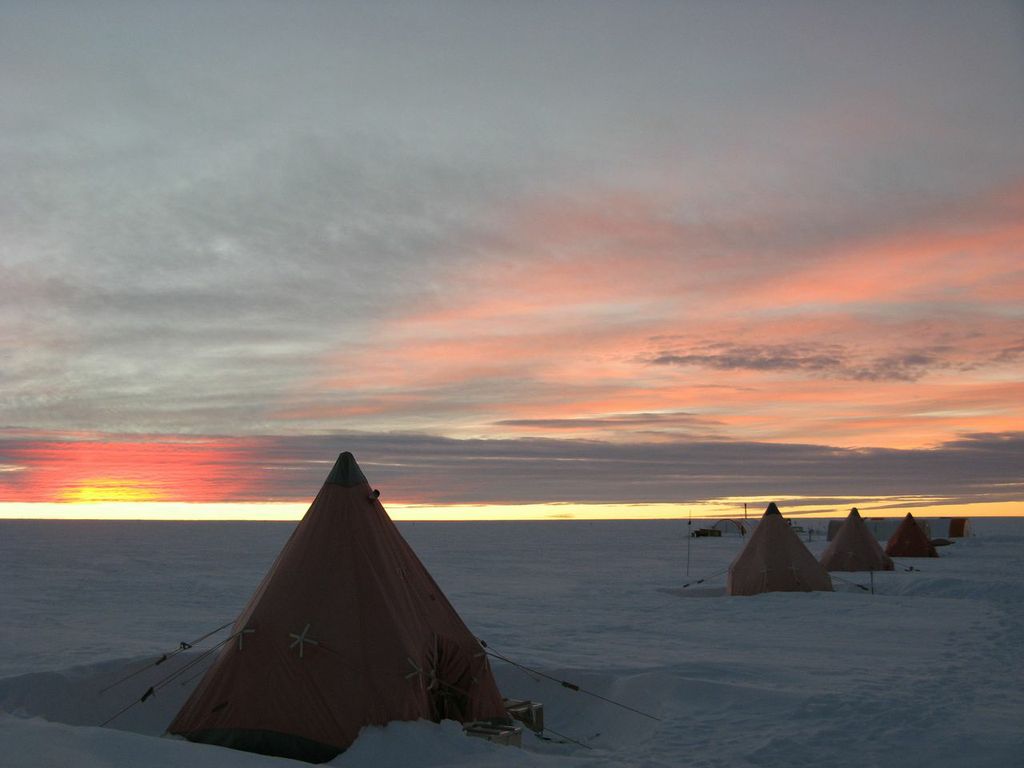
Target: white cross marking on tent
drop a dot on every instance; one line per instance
(301, 640)
(242, 634)
(429, 679)
(416, 671)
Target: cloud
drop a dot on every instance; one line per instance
(628, 426)
(433, 470)
(832, 361)
(402, 222)
(729, 357)
(1010, 354)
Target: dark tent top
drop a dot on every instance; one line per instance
(346, 472)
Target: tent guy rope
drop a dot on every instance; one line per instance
(701, 581)
(168, 679)
(182, 646)
(565, 683)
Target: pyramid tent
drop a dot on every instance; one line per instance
(910, 540)
(855, 548)
(775, 560)
(346, 629)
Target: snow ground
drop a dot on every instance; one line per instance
(927, 672)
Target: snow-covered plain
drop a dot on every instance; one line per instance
(926, 672)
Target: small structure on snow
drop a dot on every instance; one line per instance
(347, 629)
(775, 560)
(910, 540)
(854, 548)
(882, 528)
(702, 533)
(729, 525)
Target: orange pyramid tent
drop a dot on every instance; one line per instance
(347, 629)
(855, 548)
(910, 540)
(775, 560)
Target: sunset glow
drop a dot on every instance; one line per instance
(106, 490)
(95, 469)
(684, 265)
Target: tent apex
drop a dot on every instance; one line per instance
(346, 471)
(772, 509)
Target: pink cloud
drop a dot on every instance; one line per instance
(569, 315)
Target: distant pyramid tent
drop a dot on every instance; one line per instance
(910, 540)
(347, 629)
(855, 548)
(775, 560)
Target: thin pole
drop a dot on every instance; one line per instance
(689, 535)
(872, 581)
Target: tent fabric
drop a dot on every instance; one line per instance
(882, 528)
(347, 629)
(910, 540)
(775, 560)
(958, 527)
(854, 548)
(834, 527)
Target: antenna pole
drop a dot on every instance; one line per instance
(689, 535)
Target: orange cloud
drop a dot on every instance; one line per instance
(146, 469)
(590, 313)
(967, 253)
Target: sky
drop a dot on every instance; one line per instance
(636, 258)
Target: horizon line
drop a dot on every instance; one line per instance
(553, 511)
